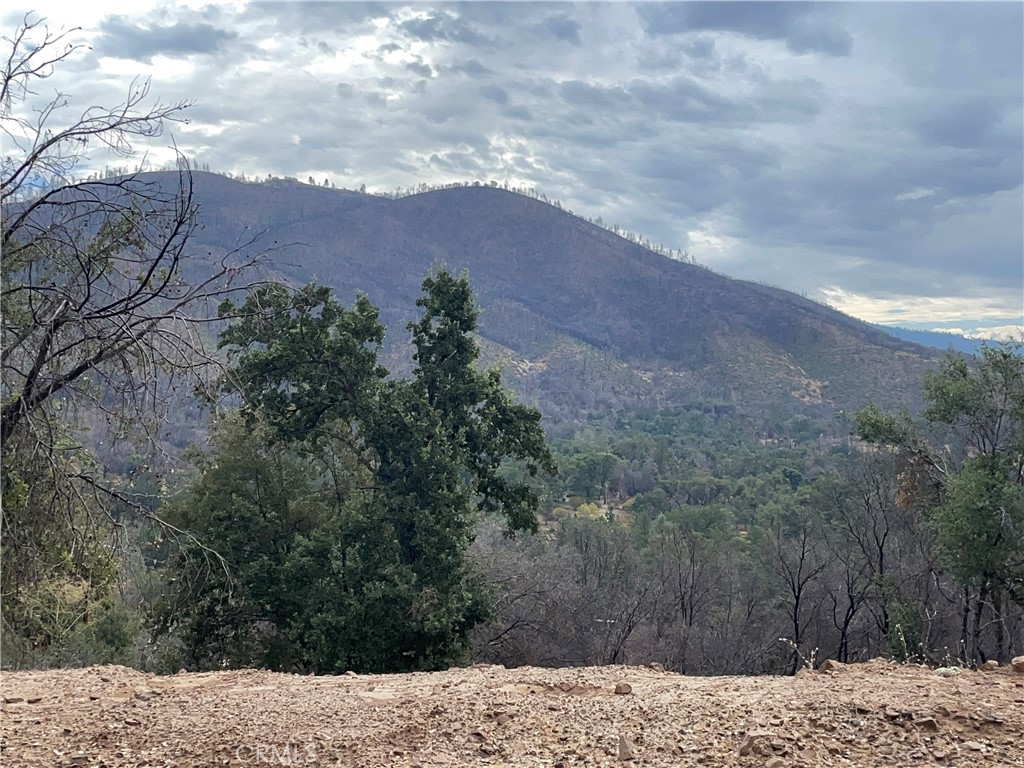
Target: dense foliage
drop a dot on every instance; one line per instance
(686, 538)
(341, 501)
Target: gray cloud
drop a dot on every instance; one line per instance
(495, 93)
(421, 69)
(313, 17)
(122, 39)
(962, 121)
(517, 113)
(875, 147)
(797, 24)
(446, 27)
(470, 67)
(560, 27)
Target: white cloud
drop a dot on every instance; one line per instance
(917, 193)
(977, 317)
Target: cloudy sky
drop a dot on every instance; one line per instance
(866, 154)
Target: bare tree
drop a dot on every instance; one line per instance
(104, 303)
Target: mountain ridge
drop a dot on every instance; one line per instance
(583, 318)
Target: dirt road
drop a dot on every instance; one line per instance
(874, 714)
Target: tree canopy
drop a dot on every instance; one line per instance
(366, 486)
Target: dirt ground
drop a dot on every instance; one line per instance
(873, 714)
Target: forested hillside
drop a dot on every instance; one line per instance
(580, 319)
(710, 474)
(682, 539)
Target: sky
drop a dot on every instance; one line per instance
(869, 155)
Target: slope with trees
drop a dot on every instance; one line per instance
(702, 545)
(352, 504)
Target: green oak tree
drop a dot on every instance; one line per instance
(965, 467)
(343, 501)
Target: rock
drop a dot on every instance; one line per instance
(947, 671)
(752, 743)
(775, 762)
(989, 665)
(657, 666)
(502, 719)
(627, 751)
(1018, 664)
(927, 723)
(79, 758)
(146, 694)
(830, 665)
(974, 746)
(899, 716)
(623, 688)
(13, 699)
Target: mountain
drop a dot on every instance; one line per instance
(936, 339)
(583, 321)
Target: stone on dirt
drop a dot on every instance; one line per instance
(627, 751)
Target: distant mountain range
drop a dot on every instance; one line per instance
(582, 321)
(936, 339)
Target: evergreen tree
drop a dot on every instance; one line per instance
(343, 502)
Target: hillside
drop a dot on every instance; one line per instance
(871, 714)
(581, 319)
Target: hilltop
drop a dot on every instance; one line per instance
(581, 319)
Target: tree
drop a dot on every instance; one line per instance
(480, 418)
(103, 308)
(791, 551)
(881, 555)
(969, 477)
(400, 469)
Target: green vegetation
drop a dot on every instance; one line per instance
(965, 472)
(340, 503)
(341, 514)
(709, 543)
